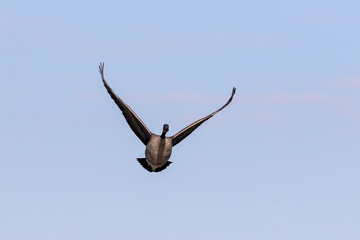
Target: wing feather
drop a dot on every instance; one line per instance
(182, 134)
(135, 123)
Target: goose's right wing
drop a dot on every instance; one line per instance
(189, 129)
(135, 123)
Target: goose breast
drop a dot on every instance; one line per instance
(158, 151)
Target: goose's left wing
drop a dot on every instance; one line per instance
(189, 129)
(135, 123)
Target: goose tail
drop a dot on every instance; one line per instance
(147, 166)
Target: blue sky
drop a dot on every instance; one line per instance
(280, 162)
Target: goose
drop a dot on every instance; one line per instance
(158, 147)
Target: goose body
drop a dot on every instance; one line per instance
(158, 151)
(158, 147)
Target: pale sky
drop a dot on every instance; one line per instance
(281, 162)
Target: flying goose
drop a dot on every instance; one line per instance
(158, 147)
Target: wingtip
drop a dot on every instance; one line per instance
(233, 90)
(101, 67)
(101, 71)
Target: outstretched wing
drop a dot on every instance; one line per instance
(135, 123)
(189, 129)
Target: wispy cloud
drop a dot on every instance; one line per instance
(285, 98)
(350, 110)
(261, 108)
(266, 99)
(143, 47)
(7, 23)
(87, 95)
(353, 81)
(177, 97)
(320, 19)
(260, 116)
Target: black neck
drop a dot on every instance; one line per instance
(163, 135)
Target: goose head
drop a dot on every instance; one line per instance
(165, 130)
